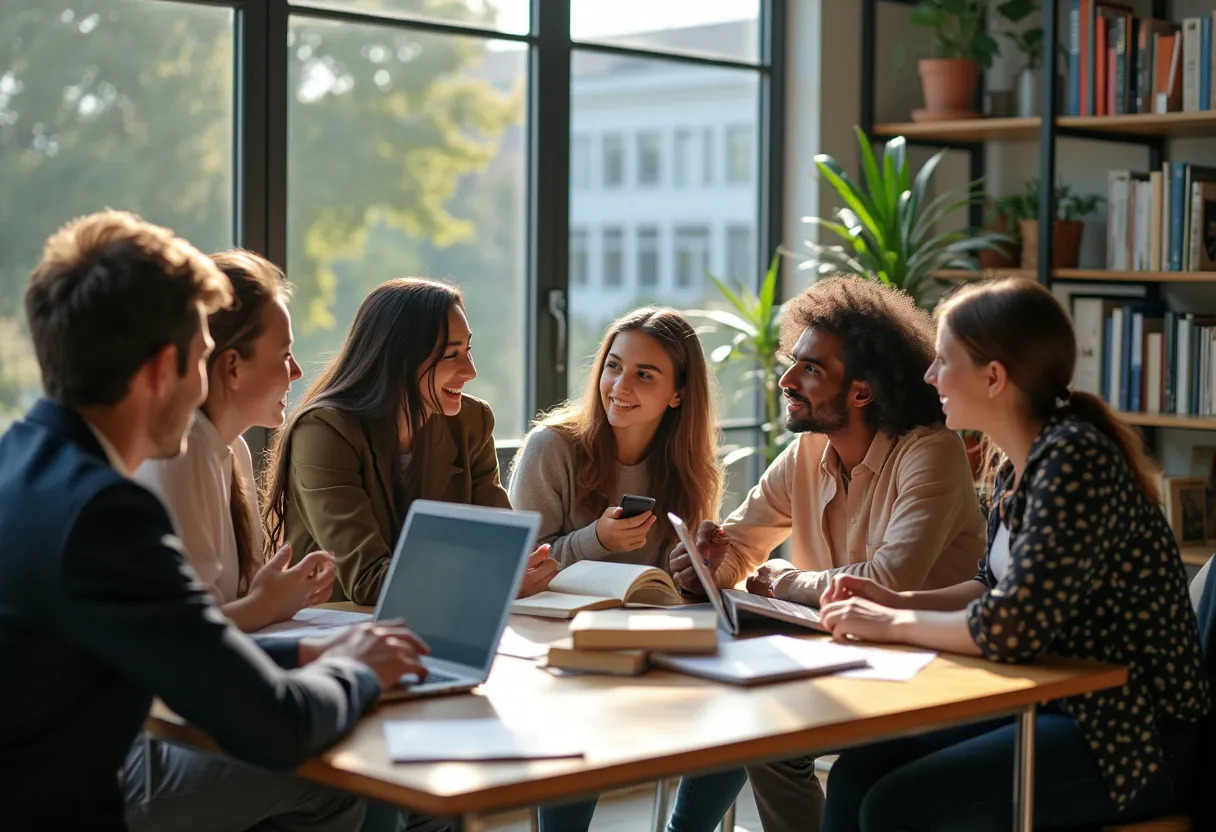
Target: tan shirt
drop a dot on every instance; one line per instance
(543, 479)
(909, 520)
(196, 489)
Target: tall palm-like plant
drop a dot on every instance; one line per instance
(888, 226)
(754, 333)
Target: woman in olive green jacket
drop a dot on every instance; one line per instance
(386, 423)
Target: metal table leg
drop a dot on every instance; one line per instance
(1023, 772)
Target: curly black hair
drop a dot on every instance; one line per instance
(888, 343)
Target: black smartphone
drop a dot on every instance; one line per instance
(632, 505)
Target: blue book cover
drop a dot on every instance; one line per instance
(1125, 367)
(1169, 348)
(1205, 62)
(1074, 58)
(1177, 209)
(1106, 351)
(1136, 375)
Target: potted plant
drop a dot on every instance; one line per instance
(961, 48)
(1004, 216)
(754, 331)
(1028, 41)
(888, 229)
(1067, 227)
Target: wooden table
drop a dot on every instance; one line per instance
(661, 724)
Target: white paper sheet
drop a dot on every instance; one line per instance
(890, 665)
(315, 621)
(514, 644)
(469, 740)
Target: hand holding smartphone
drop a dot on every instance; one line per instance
(632, 505)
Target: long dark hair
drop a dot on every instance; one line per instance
(396, 338)
(685, 473)
(255, 282)
(1021, 325)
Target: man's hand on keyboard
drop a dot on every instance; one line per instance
(389, 648)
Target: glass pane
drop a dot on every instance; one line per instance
(107, 103)
(656, 224)
(744, 472)
(511, 16)
(406, 157)
(717, 28)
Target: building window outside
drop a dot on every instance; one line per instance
(707, 156)
(692, 255)
(739, 159)
(614, 160)
(648, 257)
(650, 152)
(614, 258)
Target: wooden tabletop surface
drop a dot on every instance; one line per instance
(663, 724)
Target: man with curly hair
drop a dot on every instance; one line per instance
(873, 484)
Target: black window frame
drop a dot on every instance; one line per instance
(260, 147)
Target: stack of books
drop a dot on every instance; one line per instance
(617, 641)
(1120, 63)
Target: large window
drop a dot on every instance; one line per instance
(124, 103)
(406, 157)
(355, 141)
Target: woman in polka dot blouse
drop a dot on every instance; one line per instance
(1080, 563)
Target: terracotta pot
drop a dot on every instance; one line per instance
(1010, 254)
(1065, 243)
(949, 85)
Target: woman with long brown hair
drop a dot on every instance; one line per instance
(385, 423)
(646, 425)
(210, 495)
(210, 490)
(1081, 563)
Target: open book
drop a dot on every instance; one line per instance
(596, 585)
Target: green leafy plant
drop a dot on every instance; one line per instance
(958, 29)
(888, 227)
(754, 337)
(1027, 41)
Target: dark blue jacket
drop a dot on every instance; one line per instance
(99, 613)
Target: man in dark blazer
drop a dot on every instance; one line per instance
(99, 612)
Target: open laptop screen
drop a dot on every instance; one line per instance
(451, 582)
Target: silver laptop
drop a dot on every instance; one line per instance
(453, 577)
(731, 604)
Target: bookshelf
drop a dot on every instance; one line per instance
(1091, 275)
(1169, 420)
(1139, 125)
(1196, 554)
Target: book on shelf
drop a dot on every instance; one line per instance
(1155, 220)
(564, 656)
(1120, 62)
(597, 585)
(676, 631)
(1145, 358)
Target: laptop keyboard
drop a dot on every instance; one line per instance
(434, 677)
